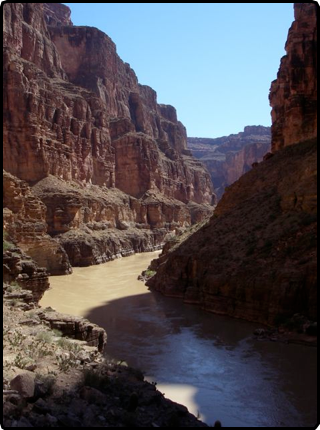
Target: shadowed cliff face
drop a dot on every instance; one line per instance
(73, 110)
(256, 258)
(293, 95)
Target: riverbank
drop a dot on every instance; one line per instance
(51, 380)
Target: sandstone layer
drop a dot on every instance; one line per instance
(20, 269)
(75, 111)
(256, 258)
(229, 157)
(24, 218)
(293, 95)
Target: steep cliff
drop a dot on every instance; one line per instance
(256, 258)
(75, 111)
(229, 157)
(262, 260)
(293, 95)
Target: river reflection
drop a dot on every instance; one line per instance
(208, 362)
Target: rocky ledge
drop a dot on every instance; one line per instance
(54, 381)
(54, 372)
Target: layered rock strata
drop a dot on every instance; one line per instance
(293, 95)
(21, 269)
(75, 327)
(24, 217)
(24, 285)
(257, 257)
(229, 157)
(74, 110)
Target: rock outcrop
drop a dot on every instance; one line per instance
(262, 261)
(24, 285)
(256, 258)
(293, 95)
(75, 327)
(229, 157)
(24, 218)
(19, 268)
(75, 111)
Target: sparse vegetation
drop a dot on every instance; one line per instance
(44, 336)
(14, 287)
(57, 332)
(6, 243)
(47, 382)
(21, 361)
(149, 273)
(68, 345)
(95, 379)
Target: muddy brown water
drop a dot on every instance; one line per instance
(210, 363)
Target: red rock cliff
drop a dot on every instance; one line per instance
(293, 95)
(75, 111)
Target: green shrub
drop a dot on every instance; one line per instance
(95, 379)
(57, 332)
(6, 244)
(150, 273)
(44, 336)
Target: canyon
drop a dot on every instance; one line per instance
(257, 256)
(104, 165)
(229, 157)
(96, 169)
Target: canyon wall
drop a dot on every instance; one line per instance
(293, 95)
(76, 117)
(257, 257)
(229, 157)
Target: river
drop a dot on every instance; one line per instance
(210, 363)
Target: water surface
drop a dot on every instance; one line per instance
(210, 363)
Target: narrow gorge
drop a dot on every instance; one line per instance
(224, 318)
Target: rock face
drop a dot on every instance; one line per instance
(262, 261)
(293, 95)
(25, 221)
(20, 268)
(76, 328)
(74, 110)
(256, 258)
(229, 157)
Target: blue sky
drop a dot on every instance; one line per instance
(214, 62)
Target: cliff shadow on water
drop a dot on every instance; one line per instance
(211, 363)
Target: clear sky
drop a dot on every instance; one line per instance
(214, 62)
